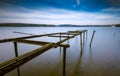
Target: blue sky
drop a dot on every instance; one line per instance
(80, 12)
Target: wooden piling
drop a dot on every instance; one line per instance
(16, 49)
(16, 55)
(81, 40)
(60, 40)
(64, 61)
(92, 38)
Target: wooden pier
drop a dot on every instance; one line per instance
(16, 62)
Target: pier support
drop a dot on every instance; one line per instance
(60, 40)
(64, 60)
(16, 49)
(16, 55)
(92, 38)
(86, 33)
(81, 40)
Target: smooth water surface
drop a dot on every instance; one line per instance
(102, 59)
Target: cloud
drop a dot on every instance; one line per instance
(111, 10)
(78, 2)
(55, 16)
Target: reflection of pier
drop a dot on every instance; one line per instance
(16, 62)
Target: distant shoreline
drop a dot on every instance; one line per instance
(46, 25)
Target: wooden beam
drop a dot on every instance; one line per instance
(41, 43)
(27, 37)
(58, 43)
(60, 36)
(23, 33)
(18, 61)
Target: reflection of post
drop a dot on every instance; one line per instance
(78, 68)
(16, 55)
(92, 38)
(64, 61)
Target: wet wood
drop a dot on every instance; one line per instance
(64, 61)
(16, 62)
(40, 43)
(16, 55)
(23, 33)
(26, 37)
(60, 36)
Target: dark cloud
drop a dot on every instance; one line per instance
(113, 3)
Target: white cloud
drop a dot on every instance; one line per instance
(56, 16)
(111, 10)
(78, 2)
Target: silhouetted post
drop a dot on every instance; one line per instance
(16, 55)
(64, 61)
(92, 38)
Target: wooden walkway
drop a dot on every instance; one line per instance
(16, 62)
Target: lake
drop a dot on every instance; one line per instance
(102, 59)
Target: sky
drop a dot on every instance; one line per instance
(78, 12)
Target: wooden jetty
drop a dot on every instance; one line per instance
(16, 62)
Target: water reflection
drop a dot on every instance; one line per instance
(77, 70)
(83, 61)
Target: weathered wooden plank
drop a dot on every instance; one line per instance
(41, 43)
(23, 33)
(66, 33)
(11, 39)
(16, 62)
(60, 36)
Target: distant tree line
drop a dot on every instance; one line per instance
(49, 25)
(24, 25)
(117, 25)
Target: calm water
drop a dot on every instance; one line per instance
(102, 59)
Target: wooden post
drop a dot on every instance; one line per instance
(16, 49)
(60, 40)
(64, 61)
(81, 40)
(86, 34)
(92, 38)
(68, 40)
(16, 55)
